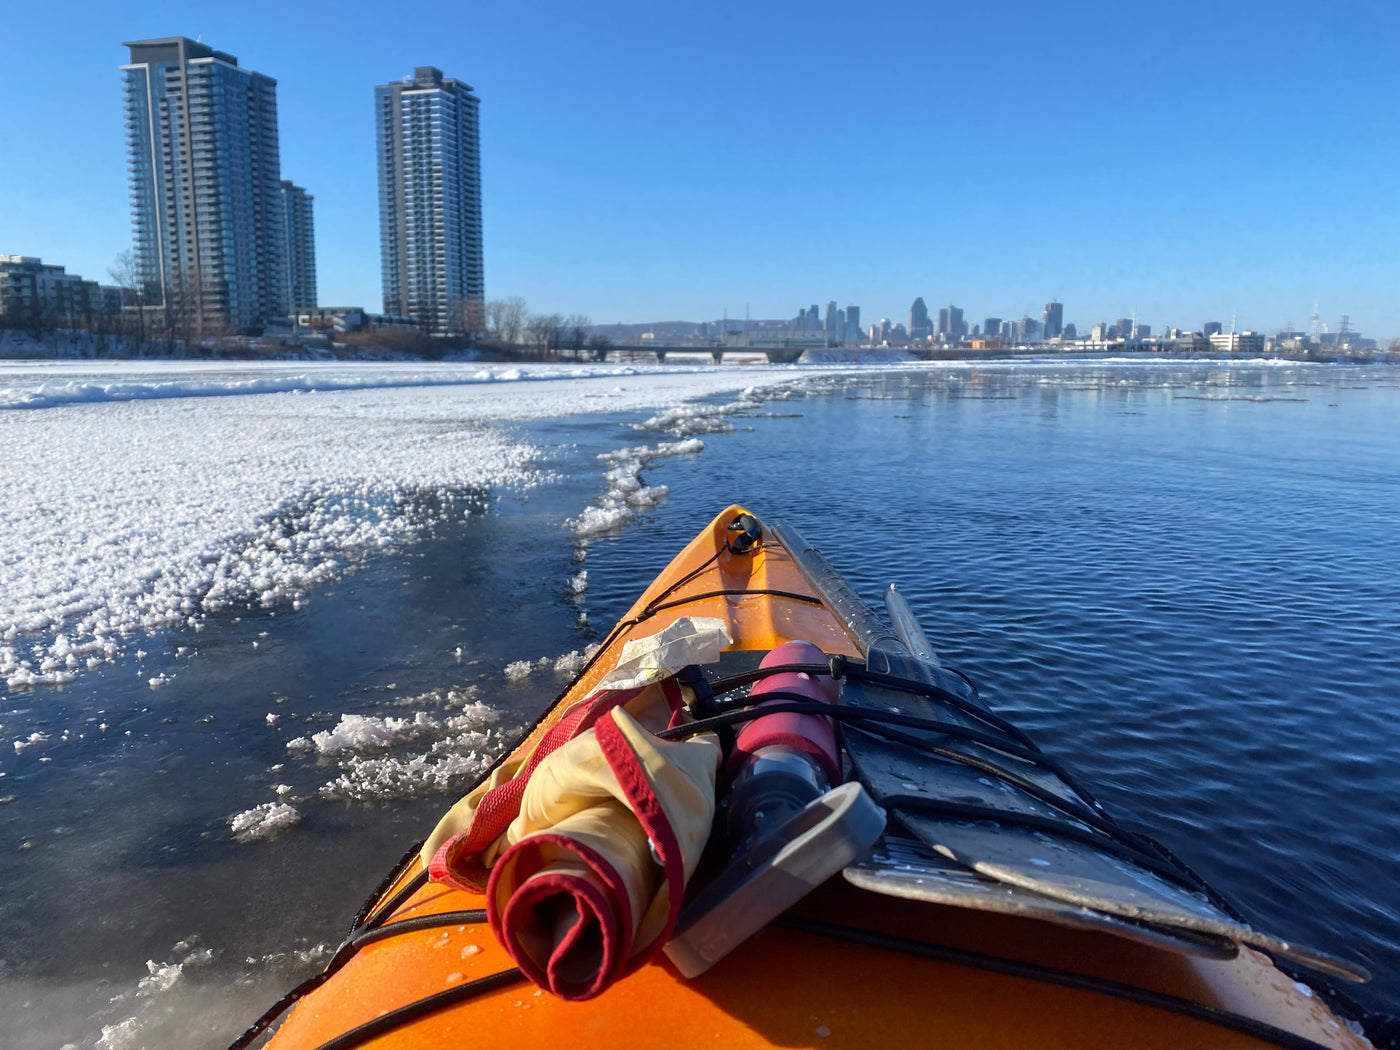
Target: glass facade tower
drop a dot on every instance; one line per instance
(300, 229)
(427, 141)
(205, 176)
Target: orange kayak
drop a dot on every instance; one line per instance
(1000, 907)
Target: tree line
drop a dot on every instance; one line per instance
(509, 325)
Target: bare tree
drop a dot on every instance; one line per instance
(469, 316)
(543, 331)
(126, 276)
(505, 318)
(577, 324)
(185, 320)
(106, 324)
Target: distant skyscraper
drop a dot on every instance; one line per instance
(205, 176)
(853, 316)
(918, 319)
(950, 322)
(991, 327)
(1054, 319)
(301, 247)
(831, 316)
(428, 144)
(814, 320)
(1070, 332)
(1212, 328)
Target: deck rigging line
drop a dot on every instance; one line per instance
(1050, 975)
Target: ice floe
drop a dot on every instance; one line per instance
(625, 492)
(452, 739)
(264, 822)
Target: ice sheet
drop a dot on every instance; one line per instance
(141, 495)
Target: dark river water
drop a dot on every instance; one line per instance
(1181, 579)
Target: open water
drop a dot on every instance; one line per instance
(1180, 578)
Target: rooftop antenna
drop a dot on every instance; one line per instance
(1316, 322)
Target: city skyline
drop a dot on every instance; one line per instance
(1174, 165)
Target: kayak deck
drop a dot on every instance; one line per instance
(844, 967)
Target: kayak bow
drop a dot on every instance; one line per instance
(1001, 907)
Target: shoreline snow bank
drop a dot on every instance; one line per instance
(224, 381)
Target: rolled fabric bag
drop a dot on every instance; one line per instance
(468, 840)
(611, 826)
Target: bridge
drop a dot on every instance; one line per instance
(783, 355)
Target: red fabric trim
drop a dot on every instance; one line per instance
(453, 864)
(605, 908)
(671, 690)
(631, 776)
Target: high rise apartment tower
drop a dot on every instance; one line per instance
(428, 144)
(205, 175)
(300, 230)
(1053, 319)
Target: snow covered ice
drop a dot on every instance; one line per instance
(143, 495)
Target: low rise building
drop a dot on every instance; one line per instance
(33, 292)
(1238, 342)
(336, 318)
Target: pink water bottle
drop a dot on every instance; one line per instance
(783, 761)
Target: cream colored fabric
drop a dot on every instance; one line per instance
(577, 779)
(644, 662)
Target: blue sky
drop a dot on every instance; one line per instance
(1184, 162)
